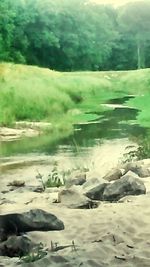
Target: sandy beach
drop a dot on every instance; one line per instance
(114, 234)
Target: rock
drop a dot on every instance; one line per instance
(84, 204)
(142, 170)
(76, 181)
(5, 191)
(7, 201)
(75, 200)
(33, 220)
(114, 174)
(17, 183)
(92, 182)
(129, 184)
(132, 165)
(96, 193)
(30, 188)
(38, 189)
(130, 174)
(16, 246)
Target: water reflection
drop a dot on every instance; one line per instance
(112, 124)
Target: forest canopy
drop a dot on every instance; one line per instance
(71, 35)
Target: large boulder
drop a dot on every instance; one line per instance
(16, 246)
(129, 184)
(33, 220)
(75, 200)
(96, 193)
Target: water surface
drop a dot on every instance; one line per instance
(110, 126)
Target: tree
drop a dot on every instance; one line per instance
(135, 20)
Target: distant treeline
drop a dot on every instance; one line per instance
(73, 35)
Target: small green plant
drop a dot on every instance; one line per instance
(55, 179)
(129, 156)
(141, 152)
(36, 254)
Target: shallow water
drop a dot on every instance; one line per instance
(103, 138)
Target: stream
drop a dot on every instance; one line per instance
(98, 144)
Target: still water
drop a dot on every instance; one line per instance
(116, 128)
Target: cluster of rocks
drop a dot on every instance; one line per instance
(118, 183)
(13, 242)
(82, 193)
(129, 184)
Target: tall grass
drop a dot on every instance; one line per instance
(36, 94)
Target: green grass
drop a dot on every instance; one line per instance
(36, 94)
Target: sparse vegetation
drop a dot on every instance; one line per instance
(36, 254)
(55, 179)
(139, 153)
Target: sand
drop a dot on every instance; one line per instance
(114, 234)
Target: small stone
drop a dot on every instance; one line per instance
(17, 183)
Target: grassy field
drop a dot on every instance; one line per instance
(36, 94)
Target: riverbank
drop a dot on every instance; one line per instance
(97, 232)
(36, 94)
(23, 129)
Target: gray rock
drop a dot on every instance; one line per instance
(16, 246)
(84, 204)
(79, 180)
(142, 170)
(91, 183)
(17, 183)
(34, 220)
(129, 184)
(130, 174)
(75, 200)
(96, 193)
(113, 174)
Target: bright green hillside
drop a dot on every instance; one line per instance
(36, 94)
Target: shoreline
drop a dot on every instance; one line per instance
(23, 129)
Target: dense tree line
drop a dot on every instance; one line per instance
(75, 34)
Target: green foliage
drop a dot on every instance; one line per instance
(142, 152)
(75, 35)
(135, 22)
(36, 254)
(55, 179)
(34, 94)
